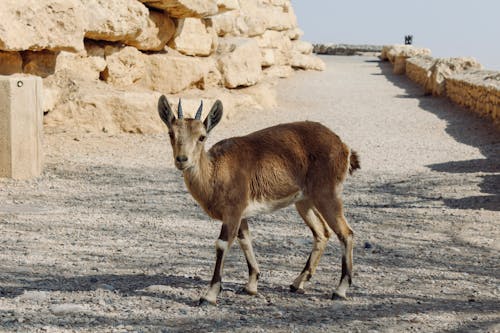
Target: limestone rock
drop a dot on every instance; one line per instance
(46, 63)
(479, 90)
(306, 61)
(278, 71)
(194, 37)
(268, 58)
(397, 55)
(159, 30)
(302, 46)
(227, 5)
(119, 20)
(10, 63)
(417, 68)
(260, 17)
(230, 24)
(38, 25)
(165, 72)
(41, 63)
(239, 62)
(295, 33)
(443, 68)
(279, 43)
(186, 8)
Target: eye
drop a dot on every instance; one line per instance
(202, 138)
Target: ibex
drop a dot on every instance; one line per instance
(302, 163)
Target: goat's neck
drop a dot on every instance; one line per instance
(198, 178)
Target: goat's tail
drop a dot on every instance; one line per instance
(353, 162)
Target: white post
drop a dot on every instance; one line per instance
(21, 126)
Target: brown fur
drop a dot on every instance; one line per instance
(303, 163)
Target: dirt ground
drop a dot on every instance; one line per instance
(109, 240)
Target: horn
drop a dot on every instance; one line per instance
(179, 110)
(198, 113)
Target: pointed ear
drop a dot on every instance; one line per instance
(214, 116)
(165, 111)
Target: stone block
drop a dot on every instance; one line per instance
(20, 126)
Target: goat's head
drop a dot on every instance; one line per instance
(188, 135)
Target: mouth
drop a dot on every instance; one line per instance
(181, 166)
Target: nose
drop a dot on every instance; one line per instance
(181, 158)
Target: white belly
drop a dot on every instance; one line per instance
(266, 206)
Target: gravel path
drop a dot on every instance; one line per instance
(109, 240)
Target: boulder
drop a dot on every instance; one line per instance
(443, 68)
(230, 24)
(82, 106)
(79, 66)
(279, 43)
(239, 61)
(295, 33)
(38, 25)
(302, 46)
(260, 16)
(306, 61)
(10, 63)
(158, 32)
(397, 55)
(119, 20)
(268, 58)
(164, 72)
(195, 37)
(417, 68)
(186, 8)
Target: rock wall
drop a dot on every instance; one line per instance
(462, 80)
(346, 49)
(105, 63)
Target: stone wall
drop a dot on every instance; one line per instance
(346, 49)
(105, 63)
(462, 80)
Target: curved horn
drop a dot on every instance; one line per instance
(180, 115)
(198, 113)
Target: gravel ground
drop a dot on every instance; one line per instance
(109, 240)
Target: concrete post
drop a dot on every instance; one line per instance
(20, 126)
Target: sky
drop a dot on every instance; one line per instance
(449, 28)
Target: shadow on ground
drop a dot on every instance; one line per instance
(465, 127)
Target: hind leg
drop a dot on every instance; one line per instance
(321, 232)
(331, 209)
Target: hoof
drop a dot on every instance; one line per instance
(296, 290)
(205, 302)
(246, 291)
(338, 297)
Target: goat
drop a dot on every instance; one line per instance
(303, 163)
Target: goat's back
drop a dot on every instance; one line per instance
(280, 160)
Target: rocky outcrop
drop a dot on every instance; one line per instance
(124, 53)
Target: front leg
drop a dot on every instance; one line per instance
(227, 235)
